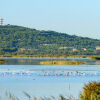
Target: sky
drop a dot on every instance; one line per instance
(74, 17)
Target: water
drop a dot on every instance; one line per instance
(36, 61)
(21, 75)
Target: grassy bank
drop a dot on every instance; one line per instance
(2, 61)
(62, 63)
(95, 58)
(53, 55)
(91, 57)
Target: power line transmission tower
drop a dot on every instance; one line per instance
(1, 21)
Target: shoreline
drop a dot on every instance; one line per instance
(91, 57)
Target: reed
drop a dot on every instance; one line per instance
(91, 91)
(9, 96)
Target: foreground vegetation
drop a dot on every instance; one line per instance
(91, 91)
(62, 63)
(95, 58)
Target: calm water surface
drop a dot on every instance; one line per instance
(26, 74)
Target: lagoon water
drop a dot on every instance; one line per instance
(20, 75)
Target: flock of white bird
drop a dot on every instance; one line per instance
(49, 73)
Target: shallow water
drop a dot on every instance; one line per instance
(36, 61)
(25, 74)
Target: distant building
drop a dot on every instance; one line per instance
(47, 44)
(21, 49)
(98, 48)
(66, 47)
(74, 49)
(84, 49)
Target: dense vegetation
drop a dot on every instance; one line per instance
(19, 40)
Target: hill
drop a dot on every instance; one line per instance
(25, 40)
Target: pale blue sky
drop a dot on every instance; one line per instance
(79, 17)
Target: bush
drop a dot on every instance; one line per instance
(91, 91)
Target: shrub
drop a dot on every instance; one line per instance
(91, 91)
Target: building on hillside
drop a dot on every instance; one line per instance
(66, 47)
(98, 48)
(21, 49)
(84, 49)
(72, 48)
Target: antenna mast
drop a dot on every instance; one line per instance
(1, 21)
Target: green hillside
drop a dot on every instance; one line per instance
(17, 39)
